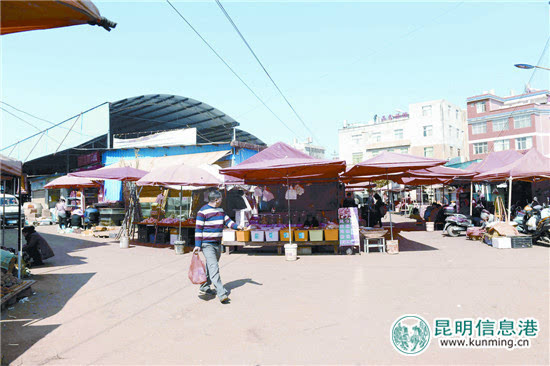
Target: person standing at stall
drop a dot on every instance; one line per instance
(61, 209)
(378, 209)
(211, 220)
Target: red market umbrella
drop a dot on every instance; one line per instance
(125, 174)
(495, 160)
(67, 181)
(280, 163)
(21, 16)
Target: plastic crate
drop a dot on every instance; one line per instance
(229, 235)
(522, 242)
(316, 235)
(331, 234)
(257, 235)
(272, 235)
(284, 235)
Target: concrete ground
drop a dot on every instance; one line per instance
(98, 304)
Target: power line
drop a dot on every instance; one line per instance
(230, 68)
(263, 67)
(30, 124)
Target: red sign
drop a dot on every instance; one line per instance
(89, 159)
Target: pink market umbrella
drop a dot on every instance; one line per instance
(390, 162)
(67, 181)
(125, 174)
(179, 175)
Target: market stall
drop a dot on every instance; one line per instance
(159, 229)
(12, 170)
(297, 197)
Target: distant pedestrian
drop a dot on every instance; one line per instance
(349, 201)
(379, 210)
(211, 220)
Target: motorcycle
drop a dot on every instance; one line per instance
(456, 224)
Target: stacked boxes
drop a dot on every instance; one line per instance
(316, 235)
(301, 235)
(272, 235)
(331, 234)
(242, 235)
(257, 235)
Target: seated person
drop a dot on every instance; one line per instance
(37, 247)
(91, 216)
(311, 221)
(76, 218)
(415, 214)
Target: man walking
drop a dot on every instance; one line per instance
(208, 236)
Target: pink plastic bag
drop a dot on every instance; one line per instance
(197, 271)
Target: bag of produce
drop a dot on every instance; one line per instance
(197, 271)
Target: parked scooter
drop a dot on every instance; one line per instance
(535, 221)
(457, 224)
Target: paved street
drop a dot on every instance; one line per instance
(98, 304)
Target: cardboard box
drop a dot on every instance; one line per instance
(242, 235)
(272, 235)
(502, 242)
(301, 235)
(331, 234)
(257, 235)
(284, 235)
(316, 235)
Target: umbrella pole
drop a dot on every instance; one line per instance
(391, 225)
(510, 200)
(368, 207)
(471, 197)
(181, 202)
(19, 233)
(288, 205)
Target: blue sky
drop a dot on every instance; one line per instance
(334, 61)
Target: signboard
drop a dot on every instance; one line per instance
(348, 220)
(89, 159)
(186, 136)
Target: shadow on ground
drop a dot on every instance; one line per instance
(50, 294)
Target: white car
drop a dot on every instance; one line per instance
(9, 210)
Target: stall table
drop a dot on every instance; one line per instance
(279, 244)
(145, 230)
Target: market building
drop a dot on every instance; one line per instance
(517, 122)
(429, 129)
(160, 127)
(309, 148)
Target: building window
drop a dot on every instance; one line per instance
(457, 133)
(398, 134)
(428, 152)
(524, 143)
(480, 107)
(456, 114)
(450, 131)
(376, 137)
(501, 145)
(522, 121)
(427, 110)
(427, 130)
(480, 148)
(357, 157)
(500, 124)
(356, 139)
(451, 150)
(404, 150)
(479, 127)
(449, 111)
(458, 152)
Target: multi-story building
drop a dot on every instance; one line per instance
(310, 149)
(430, 129)
(508, 123)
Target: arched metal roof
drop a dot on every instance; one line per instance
(144, 114)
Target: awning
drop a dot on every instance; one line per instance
(149, 164)
(10, 166)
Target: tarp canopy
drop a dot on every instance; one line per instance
(10, 166)
(531, 166)
(126, 174)
(425, 181)
(442, 172)
(21, 16)
(390, 162)
(67, 181)
(180, 175)
(495, 160)
(280, 162)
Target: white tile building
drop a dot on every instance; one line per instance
(431, 129)
(310, 149)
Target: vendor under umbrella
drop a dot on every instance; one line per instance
(37, 247)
